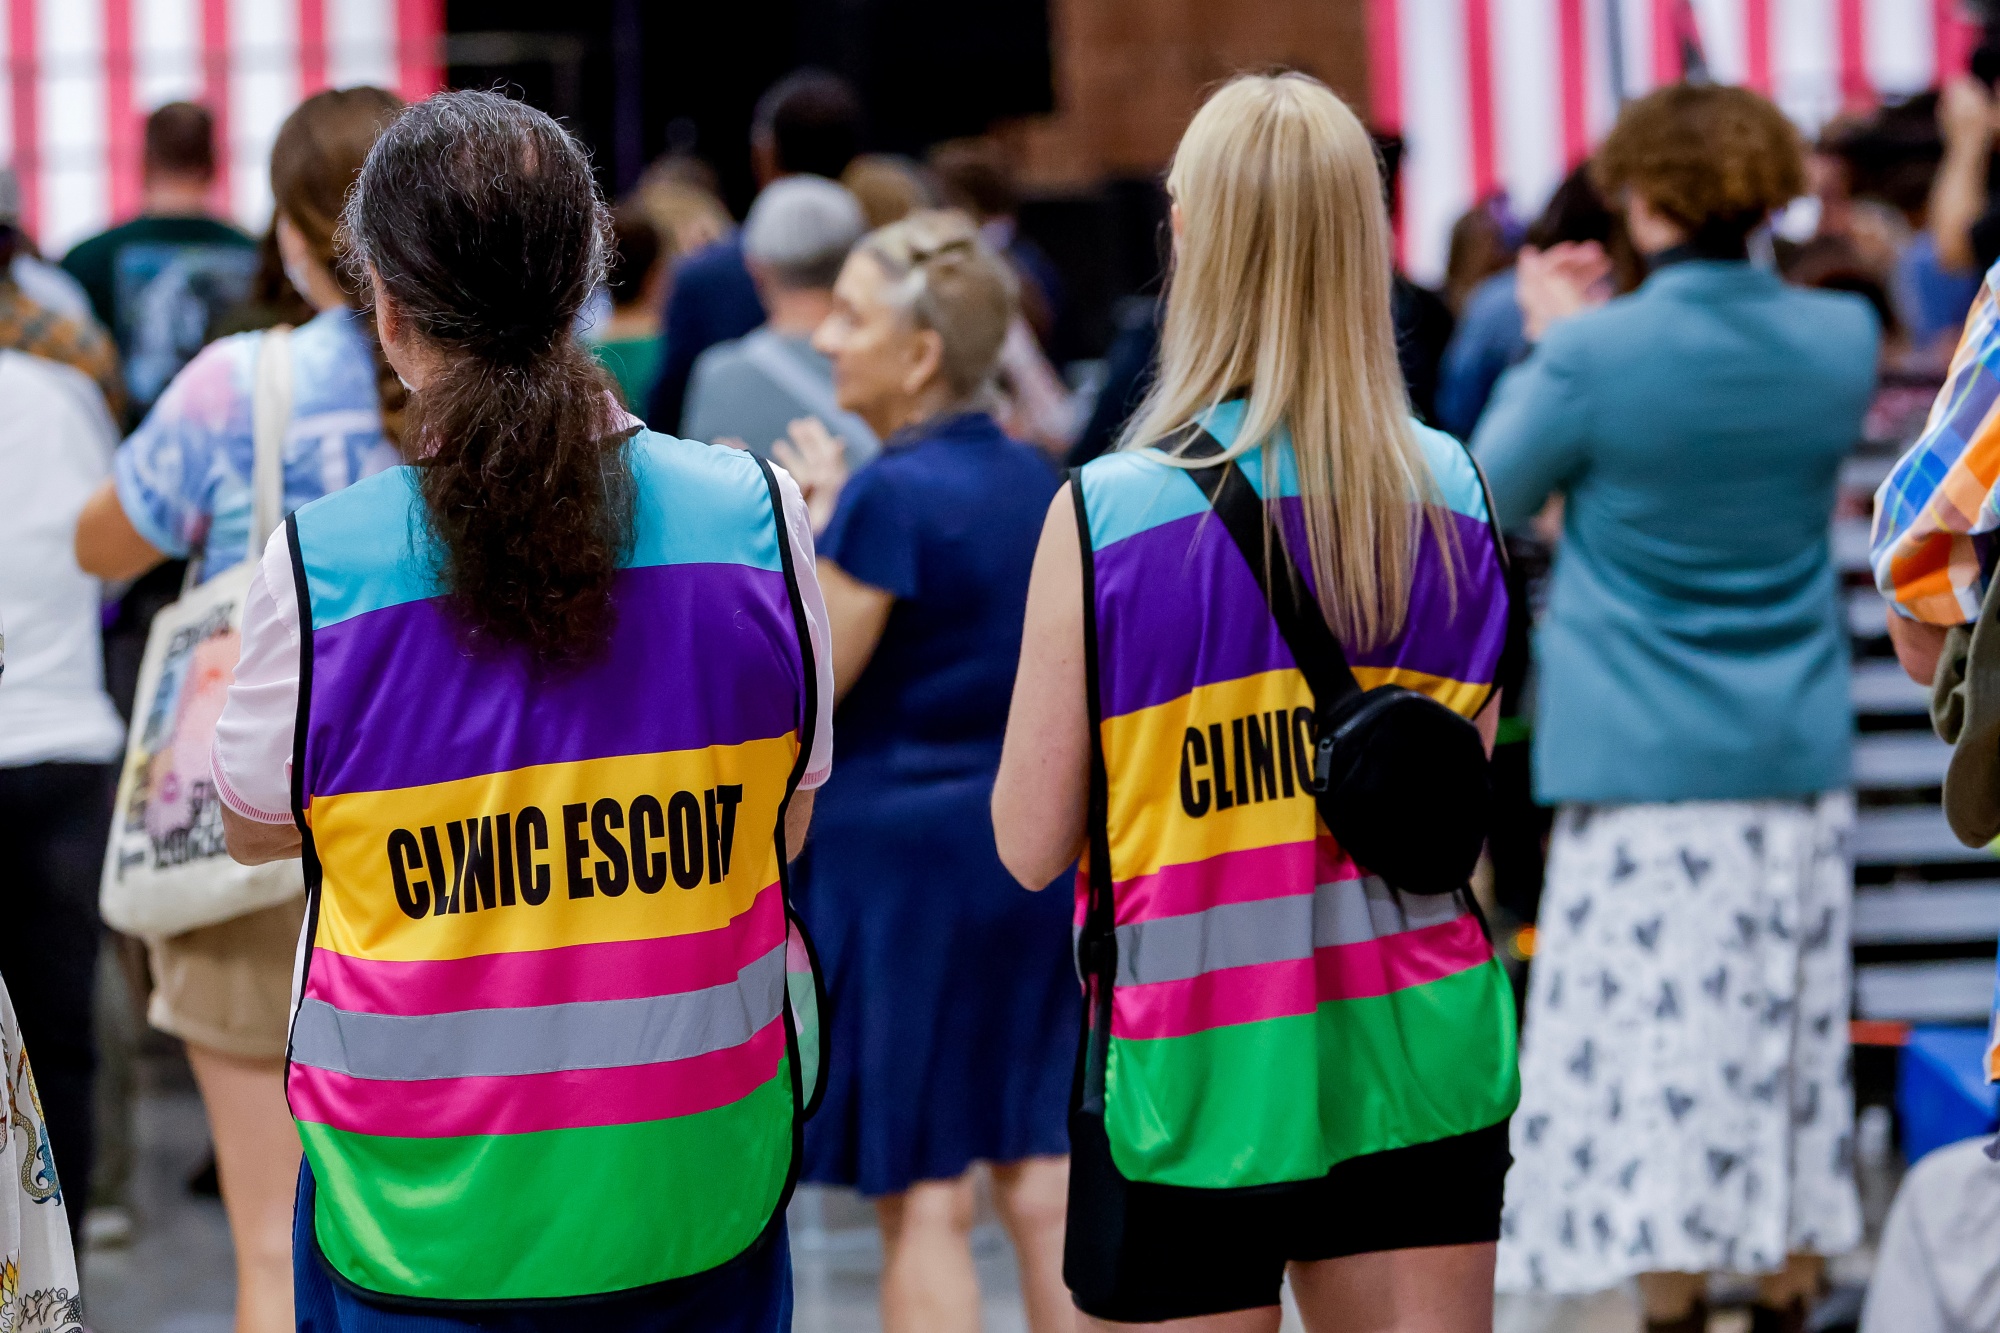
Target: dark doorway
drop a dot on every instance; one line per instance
(633, 79)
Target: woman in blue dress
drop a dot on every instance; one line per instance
(953, 1004)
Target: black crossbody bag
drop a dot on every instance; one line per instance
(1400, 779)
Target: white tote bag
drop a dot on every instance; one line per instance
(167, 869)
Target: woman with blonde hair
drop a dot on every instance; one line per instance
(1289, 1065)
(951, 997)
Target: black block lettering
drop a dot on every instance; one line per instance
(1236, 756)
(1263, 756)
(649, 869)
(478, 862)
(503, 843)
(1223, 800)
(1285, 751)
(457, 835)
(721, 827)
(575, 848)
(612, 876)
(413, 898)
(442, 903)
(684, 838)
(531, 835)
(1194, 754)
(1302, 746)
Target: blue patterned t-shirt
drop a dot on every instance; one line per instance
(184, 476)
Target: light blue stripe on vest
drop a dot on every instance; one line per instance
(1118, 511)
(1129, 493)
(697, 504)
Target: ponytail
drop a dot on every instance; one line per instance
(480, 217)
(529, 493)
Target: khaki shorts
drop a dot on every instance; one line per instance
(229, 986)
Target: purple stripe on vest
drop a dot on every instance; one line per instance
(447, 715)
(1183, 583)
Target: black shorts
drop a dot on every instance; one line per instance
(1139, 1253)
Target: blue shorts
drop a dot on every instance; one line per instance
(750, 1294)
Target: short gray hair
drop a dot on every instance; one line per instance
(801, 228)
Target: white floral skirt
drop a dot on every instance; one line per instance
(38, 1287)
(1685, 1102)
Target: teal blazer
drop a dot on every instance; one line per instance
(1693, 646)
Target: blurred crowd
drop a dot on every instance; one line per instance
(1658, 372)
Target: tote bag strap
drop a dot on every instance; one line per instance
(270, 418)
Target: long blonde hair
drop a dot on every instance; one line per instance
(1281, 287)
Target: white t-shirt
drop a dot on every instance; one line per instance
(253, 738)
(56, 440)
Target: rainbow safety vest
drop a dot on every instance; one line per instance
(1275, 1010)
(557, 1029)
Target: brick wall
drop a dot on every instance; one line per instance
(1129, 73)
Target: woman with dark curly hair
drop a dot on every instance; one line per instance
(544, 709)
(1685, 1105)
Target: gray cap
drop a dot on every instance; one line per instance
(802, 227)
(10, 198)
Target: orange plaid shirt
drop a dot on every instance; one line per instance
(26, 325)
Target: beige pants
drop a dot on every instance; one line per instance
(229, 986)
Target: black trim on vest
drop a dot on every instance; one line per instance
(1097, 946)
(1499, 540)
(809, 722)
(803, 1107)
(308, 850)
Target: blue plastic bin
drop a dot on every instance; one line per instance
(1942, 1095)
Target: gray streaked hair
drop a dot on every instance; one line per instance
(947, 279)
(801, 228)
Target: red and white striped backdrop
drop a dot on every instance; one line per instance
(77, 78)
(1509, 94)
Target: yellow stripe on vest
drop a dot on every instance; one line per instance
(1213, 771)
(1221, 768)
(598, 851)
(1457, 695)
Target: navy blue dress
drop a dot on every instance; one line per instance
(953, 1005)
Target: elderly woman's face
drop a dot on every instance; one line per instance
(883, 365)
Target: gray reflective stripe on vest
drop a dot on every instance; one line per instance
(1272, 930)
(543, 1039)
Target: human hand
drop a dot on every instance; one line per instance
(817, 461)
(1965, 112)
(1563, 280)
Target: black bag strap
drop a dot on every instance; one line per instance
(1097, 943)
(1319, 656)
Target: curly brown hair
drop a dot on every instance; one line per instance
(1712, 159)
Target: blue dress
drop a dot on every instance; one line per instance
(953, 1005)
